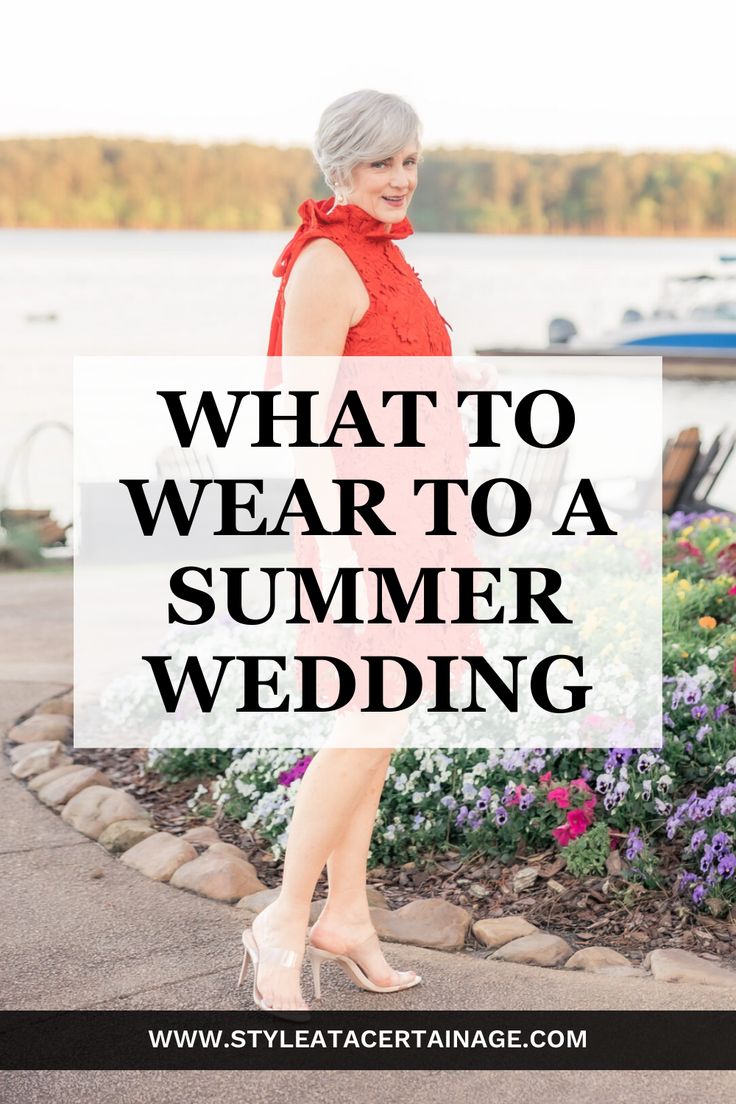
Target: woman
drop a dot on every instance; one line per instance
(346, 290)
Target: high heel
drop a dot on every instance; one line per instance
(316, 956)
(283, 957)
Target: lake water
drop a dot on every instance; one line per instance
(151, 292)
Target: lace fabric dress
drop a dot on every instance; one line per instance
(401, 321)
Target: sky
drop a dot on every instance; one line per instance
(523, 74)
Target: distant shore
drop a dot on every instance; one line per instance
(97, 182)
(669, 235)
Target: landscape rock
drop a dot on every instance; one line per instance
(622, 971)
(21, 750)
(60, 790)
(428, 922)
(202, 836)
(41, 780)
(494, 933)
(595, 959)
(229, 850)
(539, 949)
(676, 965)
(48, 726)
(159, 856)
(91, 810)
(524, 878)
(375, 896)
(63, 705)
(218, 876)
(253, 903)
(40, 761)
(123, 834)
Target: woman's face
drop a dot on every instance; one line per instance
(384, 188)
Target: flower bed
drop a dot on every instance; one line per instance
(670, 814)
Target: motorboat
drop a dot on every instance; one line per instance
(696, 316)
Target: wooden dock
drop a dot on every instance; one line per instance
(674, 365)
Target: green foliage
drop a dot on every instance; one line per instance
(100, 182)
(588, 853)
(177, 763)
(644, 868)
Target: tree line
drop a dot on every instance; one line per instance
(133, 183)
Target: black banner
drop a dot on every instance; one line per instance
(368, 1040)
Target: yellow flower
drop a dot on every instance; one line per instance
(670, 576)
(684, 584)
(684, 655)
(687, 531)
(704, 523)
(712, 544)
(707, 622)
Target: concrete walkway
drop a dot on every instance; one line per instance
(81, 930)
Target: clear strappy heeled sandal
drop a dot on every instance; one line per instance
(282, 956)
(316, 956)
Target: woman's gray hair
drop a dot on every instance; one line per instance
(363, 126)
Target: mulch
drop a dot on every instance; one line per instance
(607, 910)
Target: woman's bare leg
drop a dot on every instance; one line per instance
(330, 793)
(345, 920)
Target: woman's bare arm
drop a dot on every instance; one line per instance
(323, 298)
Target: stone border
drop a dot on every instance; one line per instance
(200, 862)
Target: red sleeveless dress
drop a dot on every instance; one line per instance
(401, 321)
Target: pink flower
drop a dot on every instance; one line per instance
(517, 794)
(726, 560)
(547, 776)
(588, 807)
(578, 822)
(560, 796)
(579, 784)
(562, 835)
(732, 591)
(684, 549)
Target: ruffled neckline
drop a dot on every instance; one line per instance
(316, 212)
